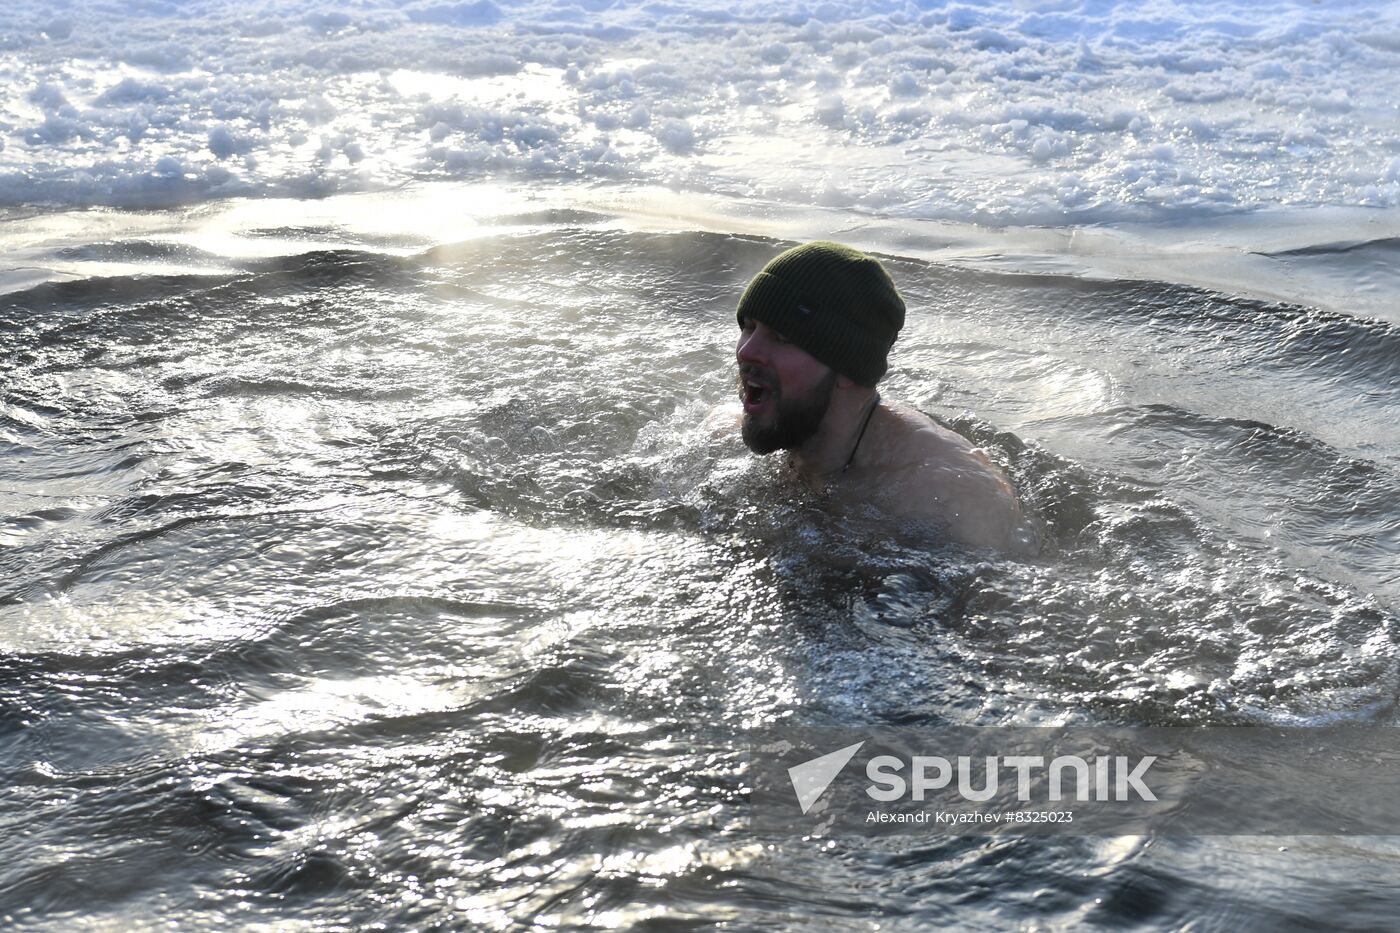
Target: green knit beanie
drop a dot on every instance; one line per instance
(835, 302)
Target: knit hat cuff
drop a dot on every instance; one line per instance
(832, 338)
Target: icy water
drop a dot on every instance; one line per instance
(353, 588)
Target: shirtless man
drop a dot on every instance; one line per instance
(816, 326)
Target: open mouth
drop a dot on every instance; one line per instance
(754, 393)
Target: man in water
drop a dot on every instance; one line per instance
(816, 326)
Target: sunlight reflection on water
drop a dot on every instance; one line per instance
(372, 566)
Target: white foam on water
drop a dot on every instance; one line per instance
(1078, 111)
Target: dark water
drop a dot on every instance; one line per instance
(351, 589)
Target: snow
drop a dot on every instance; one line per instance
(1072, 112)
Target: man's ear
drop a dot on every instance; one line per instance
(845, 382)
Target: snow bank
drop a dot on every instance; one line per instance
(1076, 111)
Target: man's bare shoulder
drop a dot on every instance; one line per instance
(914, 440)
(938, 475)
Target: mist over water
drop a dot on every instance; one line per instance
(363, 586)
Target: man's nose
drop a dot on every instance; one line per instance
(751, 348)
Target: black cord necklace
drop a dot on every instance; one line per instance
(874, 403)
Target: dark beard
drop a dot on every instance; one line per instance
(795, 421)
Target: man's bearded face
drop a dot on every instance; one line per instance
(785, 390)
